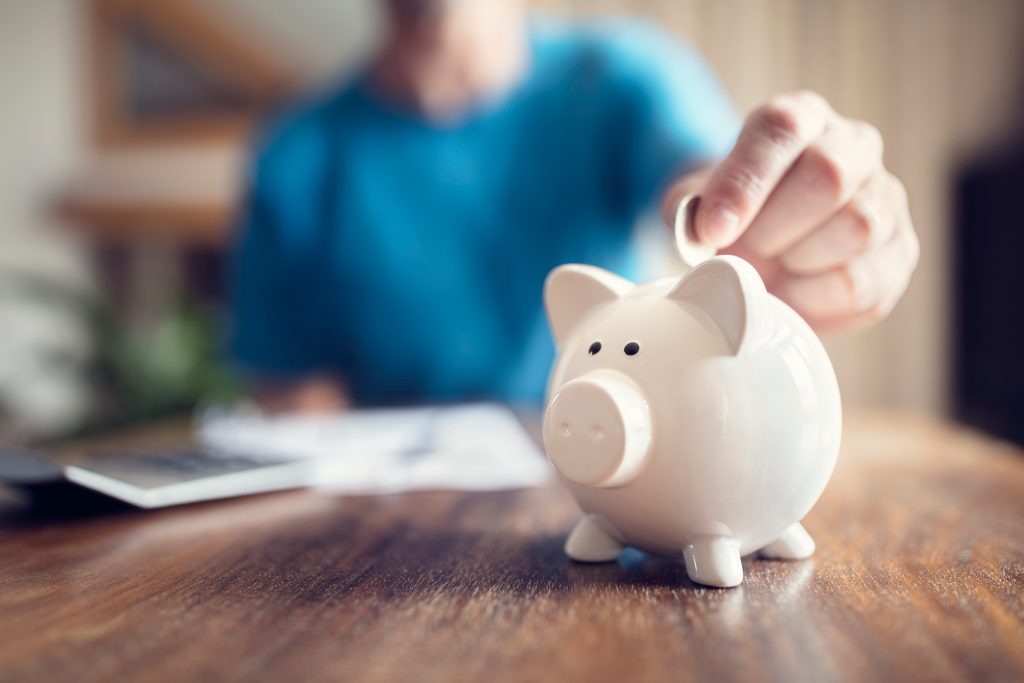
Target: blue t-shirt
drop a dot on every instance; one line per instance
(408, 258)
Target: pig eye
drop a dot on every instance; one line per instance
(631, 349)
(594, 348)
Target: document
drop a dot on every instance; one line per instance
(476, 447)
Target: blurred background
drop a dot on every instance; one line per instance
(124, 133)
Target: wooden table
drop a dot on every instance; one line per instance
(919, 575)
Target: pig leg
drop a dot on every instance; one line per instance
(588, 542)
(714, 561)
(794, 544)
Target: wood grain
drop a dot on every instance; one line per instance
(919, 575)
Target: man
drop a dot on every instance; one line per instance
(399, 229)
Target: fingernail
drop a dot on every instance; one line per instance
(719, 226)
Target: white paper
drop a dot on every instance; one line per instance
(478, 447)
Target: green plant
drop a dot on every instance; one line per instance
(168, 367)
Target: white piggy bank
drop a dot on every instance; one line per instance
(696, 415)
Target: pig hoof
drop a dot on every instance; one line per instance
(794, 544)
(588, 542)
(714, 561)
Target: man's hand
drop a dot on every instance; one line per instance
(314, 394)
(804, 196)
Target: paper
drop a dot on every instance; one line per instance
(479, 447)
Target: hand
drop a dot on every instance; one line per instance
(311, 395)
(804, 196)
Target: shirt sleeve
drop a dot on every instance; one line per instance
(269, 297)
(674, 114)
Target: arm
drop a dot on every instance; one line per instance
(275, 336)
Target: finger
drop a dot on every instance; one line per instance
(771, 140)
(870, 284)
(837, 324)
(867, 220)
(828, 173)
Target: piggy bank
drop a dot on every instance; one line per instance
(697, 415)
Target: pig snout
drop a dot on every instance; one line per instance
(597, 429)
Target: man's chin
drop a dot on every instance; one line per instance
(448, 114)
(452, 112)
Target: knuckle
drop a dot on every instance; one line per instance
(882, 309)
(913, 248)
(825, 174)
(850, 279)
(870, 136)
(899, 191)
(862, 300)
(863, 285)
(778, 120)
(813, 98)
(861, 226)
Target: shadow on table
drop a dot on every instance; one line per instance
(640, 570)
(56, 501)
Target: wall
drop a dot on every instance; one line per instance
(41, 121)
(41, 143)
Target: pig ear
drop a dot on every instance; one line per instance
(572, 291)
(731, 292)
